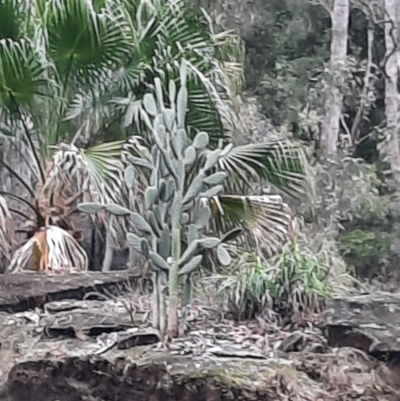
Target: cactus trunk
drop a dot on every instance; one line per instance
(156, 302)
(162, 324)
(173, 326)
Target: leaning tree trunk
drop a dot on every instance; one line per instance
(334, 99)
(392, 150)
(391, 95)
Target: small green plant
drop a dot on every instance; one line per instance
(298, 279)
(293, 281)
(247, 288)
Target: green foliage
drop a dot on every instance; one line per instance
(76, 67)
(77, 71)
(284, 90)
(83, 69)
(370, 211)
(288, 71)
(246, 288)
(13, 19)
(299, 279)
(367, 251)
(293, 281)
(292, 46)
(364, 239)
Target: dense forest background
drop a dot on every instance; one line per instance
(288, 81)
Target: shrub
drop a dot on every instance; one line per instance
(293, 281)
(365, 250)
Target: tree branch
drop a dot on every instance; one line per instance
(323, 3)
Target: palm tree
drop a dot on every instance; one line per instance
(74, 73)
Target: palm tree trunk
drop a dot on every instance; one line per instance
(13, 155)
(334, 99)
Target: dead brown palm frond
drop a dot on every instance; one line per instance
(53, 246)
(7, 233)
(70, 176)
(51, 237)
(95, 175)
(267, 218)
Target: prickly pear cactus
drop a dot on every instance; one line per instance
(173, 201)
(175, 206)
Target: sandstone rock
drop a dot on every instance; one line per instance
(367, 322)
(20, 292)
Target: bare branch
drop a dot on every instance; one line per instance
(346, 139)
(368, 83)
(377, 14)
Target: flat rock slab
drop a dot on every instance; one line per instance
(90, 318)
(20, 292)
(367, 322)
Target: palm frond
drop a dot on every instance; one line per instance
(23, 83)
(62, 252)
(218, 98)
(281, 164)
(89, 112)
(97, 172)
(165, 34)
(138, 154)
(12, 17)
(22, 74)
(81, 40)
(266, 218)
(230, 49)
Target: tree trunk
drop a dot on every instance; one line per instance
(391, 95)
(16, 157)
(392, 150)
(334, 99)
